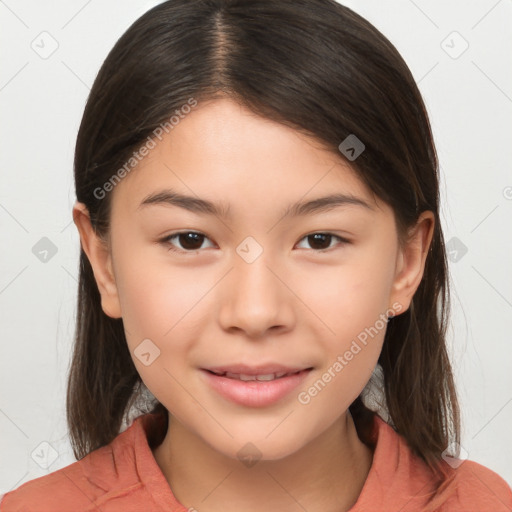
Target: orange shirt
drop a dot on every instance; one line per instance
(124, 477)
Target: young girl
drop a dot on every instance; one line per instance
(295, 359)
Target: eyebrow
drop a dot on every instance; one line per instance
(169, 197)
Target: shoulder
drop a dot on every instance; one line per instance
(477, 488)
(55, 491)
(100, 477)
(400, 480)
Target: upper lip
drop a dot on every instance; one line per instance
(265, 369)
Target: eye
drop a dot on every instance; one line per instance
(323, 240)
(190, 241)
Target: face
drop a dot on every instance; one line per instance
(249, 285)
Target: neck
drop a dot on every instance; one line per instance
(325, 475)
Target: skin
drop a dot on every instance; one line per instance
(293, 304)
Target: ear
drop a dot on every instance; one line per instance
(100, 259)
(410, 263)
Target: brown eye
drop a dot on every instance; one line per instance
(322, 241)
(188, 240)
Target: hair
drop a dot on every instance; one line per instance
(312, 65)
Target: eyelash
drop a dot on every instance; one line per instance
(166, 241)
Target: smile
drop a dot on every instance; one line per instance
(255, 390)
(245, 377)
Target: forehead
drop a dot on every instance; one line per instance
(227, 154)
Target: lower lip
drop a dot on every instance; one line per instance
(255, 393)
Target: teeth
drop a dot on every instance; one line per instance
(270, 376)
(244, 377)
(240, 376)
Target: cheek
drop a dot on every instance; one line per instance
(350, 356)
(156, 296)
(351, 301)
(163, 304)
(158, 306)
(338, 384)
(349, 297)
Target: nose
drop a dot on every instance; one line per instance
(256, 299)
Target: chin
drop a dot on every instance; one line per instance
(250, 449)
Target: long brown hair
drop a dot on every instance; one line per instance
(320, 68)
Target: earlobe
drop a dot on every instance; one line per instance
(411, 261)
(100, 259)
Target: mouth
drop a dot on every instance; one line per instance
(263, 377)
(255, 386)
